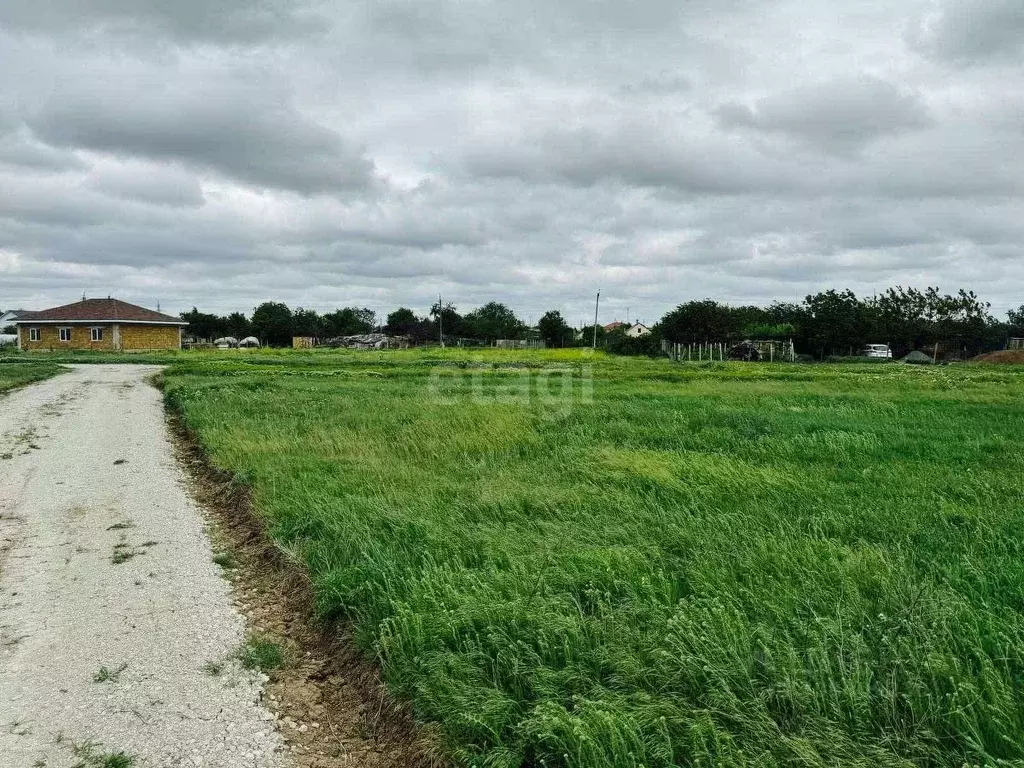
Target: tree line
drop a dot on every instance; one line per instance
(831, 322)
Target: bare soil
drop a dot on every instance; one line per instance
(1002, 357)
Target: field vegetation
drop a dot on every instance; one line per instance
(16, 372)
(573, 560)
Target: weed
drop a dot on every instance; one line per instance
(123, 552)
(225, 560)
(91, 754)
(107, 675)
(123, 525)
(213, 668)
(260, 652)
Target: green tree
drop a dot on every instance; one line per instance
(203, 325)
(839, 322)
(403, 322)
(272, 324)
(553, 329)
(350, 321)
(700, 322)
(238, 325)
(493, 321)
(449, 320)
(306, 322)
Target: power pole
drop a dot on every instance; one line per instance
(596, 305)
(440, 320)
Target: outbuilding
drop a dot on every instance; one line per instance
(102, 324)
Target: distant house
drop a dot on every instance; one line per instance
(7, 318)
(106, 324)
(633, 331)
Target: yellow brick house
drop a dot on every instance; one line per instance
(107, 324)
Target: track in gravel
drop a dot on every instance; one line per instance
(87, 471)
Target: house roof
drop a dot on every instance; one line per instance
(613, 326)
(99, 311)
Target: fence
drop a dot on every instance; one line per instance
(767, 350)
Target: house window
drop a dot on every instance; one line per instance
(33, 334)
(65, 334)
(97, 334)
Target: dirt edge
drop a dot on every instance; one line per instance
(331, 704)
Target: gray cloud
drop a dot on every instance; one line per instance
(843, 114)
(971, 31)
(156, 185)
(239, 134)
(380, 153)
(229, 21)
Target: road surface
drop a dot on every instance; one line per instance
(116, 628)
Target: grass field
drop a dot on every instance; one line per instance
(566, 560)
(16, 373)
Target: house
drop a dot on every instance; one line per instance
(107, 324)
(637, 330)
(7, 318)
(633, 331)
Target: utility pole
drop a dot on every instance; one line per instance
(596, 305)
(440, 320)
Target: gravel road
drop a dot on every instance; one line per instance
(104, 563)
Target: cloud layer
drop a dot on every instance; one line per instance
(382, 153)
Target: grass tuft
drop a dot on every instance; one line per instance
(260, 652)
(225, 560)
(107, 675)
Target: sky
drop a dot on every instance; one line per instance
(386, 152)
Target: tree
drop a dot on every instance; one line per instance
(700, 322)
(838, 320)
(493, 321)
(202, 325)
(450, 321)
(553, 329)
(238, 325)
(402, 322)
(350, 321)
(272, 323)
(306, 322)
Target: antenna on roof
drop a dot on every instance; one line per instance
(158, 305)
(83, 295)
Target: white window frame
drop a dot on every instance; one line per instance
(62, 332)
(96, 334)
(34, 334)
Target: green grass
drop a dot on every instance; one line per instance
(90, 754)
(108, 675)
(225, 560)
(260, 652)
(15, 372)
(696, 564)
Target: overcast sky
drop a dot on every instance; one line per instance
(528, 151)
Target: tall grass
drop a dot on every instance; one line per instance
(718, 564)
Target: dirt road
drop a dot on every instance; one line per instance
(116, 628)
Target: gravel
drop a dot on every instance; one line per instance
(86, 472)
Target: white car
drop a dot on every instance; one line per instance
(881, 351)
